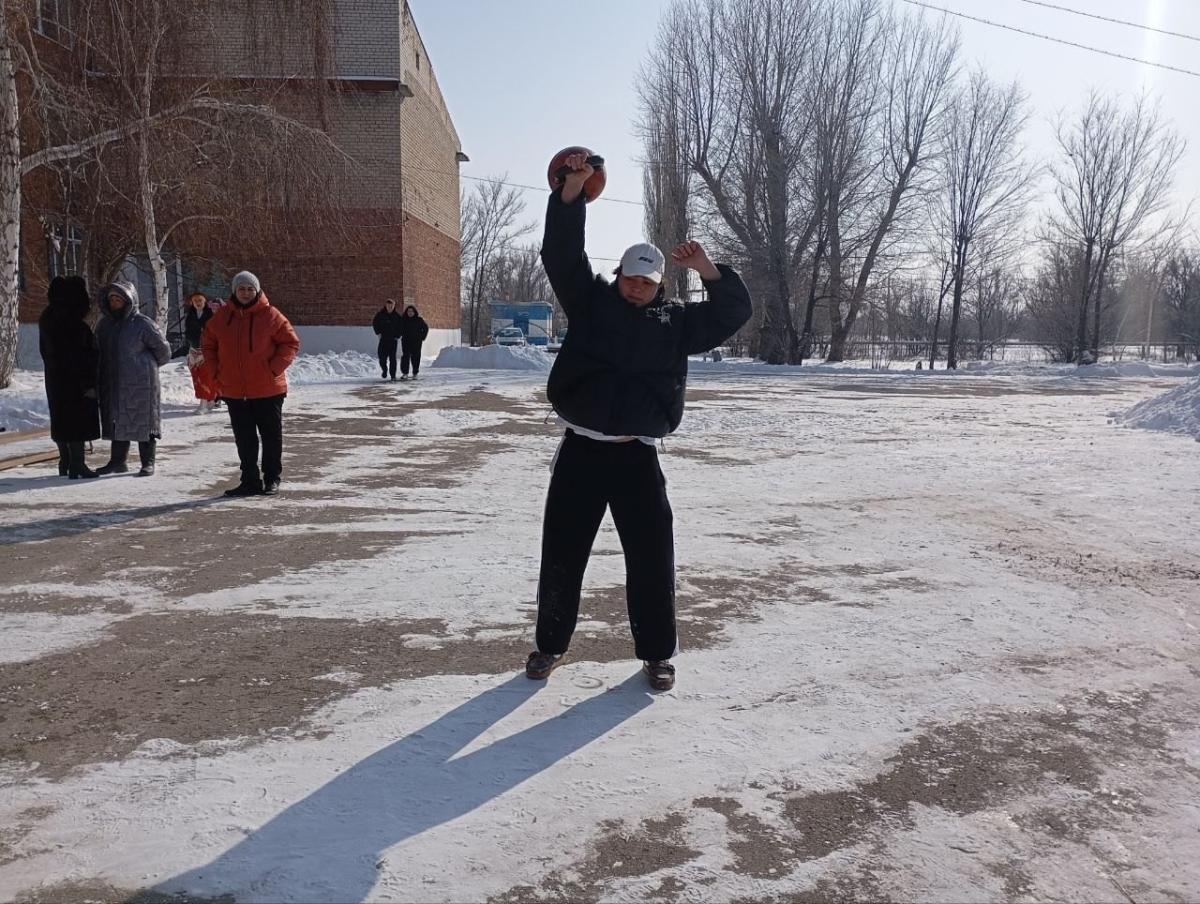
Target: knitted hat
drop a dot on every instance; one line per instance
(246, 278)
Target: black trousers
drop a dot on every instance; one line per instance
(589, 477)
(387, 357)
(411, 355)
(250, 419)
(146, 451)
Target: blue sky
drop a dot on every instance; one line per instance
(524, 78)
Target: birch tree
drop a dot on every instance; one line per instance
(122, 98)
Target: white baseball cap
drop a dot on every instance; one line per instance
(643, 260)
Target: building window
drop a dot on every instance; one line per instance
(54, 19)
(65, 251)
(418, 61)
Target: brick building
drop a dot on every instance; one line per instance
(391, 118)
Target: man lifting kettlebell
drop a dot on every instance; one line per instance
(617, 386)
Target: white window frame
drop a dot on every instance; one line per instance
(57, 26)
(65, 244)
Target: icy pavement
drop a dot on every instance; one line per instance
(940, 636)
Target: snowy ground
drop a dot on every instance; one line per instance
(940, 631)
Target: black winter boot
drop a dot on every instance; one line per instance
(64, 459)
(77, 463)
(146, 454)
(117, 459)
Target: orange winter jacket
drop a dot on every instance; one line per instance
(247, 350)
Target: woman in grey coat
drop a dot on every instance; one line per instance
(132, 349)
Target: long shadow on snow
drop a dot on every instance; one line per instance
(326, 847)
(70, 525)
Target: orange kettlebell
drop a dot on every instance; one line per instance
(557, 172)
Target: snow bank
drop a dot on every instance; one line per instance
(494, 357)
(1177, 411)
(329, 367)
(1121, 369)
(23, 403)
(748, 366)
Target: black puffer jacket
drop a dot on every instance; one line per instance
(413, 329)
(388, 325)
(622, 370)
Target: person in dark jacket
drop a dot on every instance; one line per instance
(132, 349)
(71, 359)
(413, 333)
(618, 385)
(197, 315)
(387, 326)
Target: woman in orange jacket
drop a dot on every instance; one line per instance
(248, 346)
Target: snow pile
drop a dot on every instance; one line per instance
(494, 357)
(1177, 411)
(1119, 369)
(23, 403)
(330, 367)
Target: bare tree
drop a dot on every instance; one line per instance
(918, 60)
(226, 143)
(666, 180)
(152, 133)
(1113, 185)
(491, 224)
(993, 309)
(729, 76)
(1181, 297)
(985, 184)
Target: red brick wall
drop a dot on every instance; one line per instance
(341, 284)
(346, 286)
(432, 283)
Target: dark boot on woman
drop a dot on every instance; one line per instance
(77, 463)
(64, 460)
(146, 453)
(116, 460)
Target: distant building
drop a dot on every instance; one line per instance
(391, 118)
(534, 318)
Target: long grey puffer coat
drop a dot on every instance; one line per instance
(132, 349)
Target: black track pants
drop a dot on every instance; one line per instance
(387, 357)
(250, 419)
(591, 476)
(410, 354)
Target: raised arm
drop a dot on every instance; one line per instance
(712, 321)
(566, 263)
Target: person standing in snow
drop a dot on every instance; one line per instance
(617, 385)
(132, 349)
(413, 332)
(387, 326)
(197, 315)
(71, 359)
(248, 346)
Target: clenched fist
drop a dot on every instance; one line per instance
(692, 256)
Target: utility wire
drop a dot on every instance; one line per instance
(1045, 37)
(519, 185)
(1080, 12)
